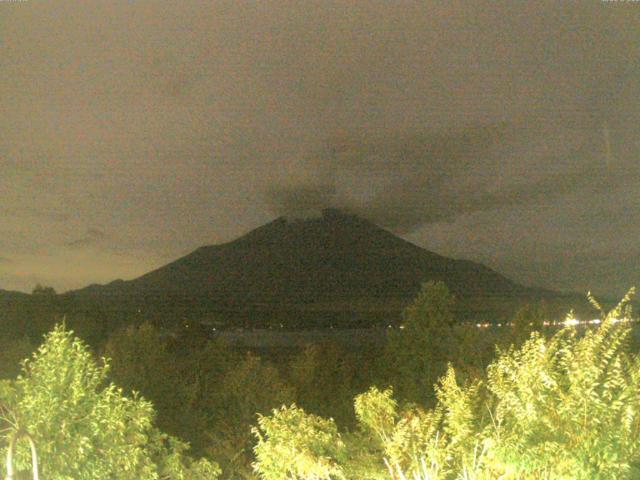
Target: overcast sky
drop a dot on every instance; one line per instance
(133, 132)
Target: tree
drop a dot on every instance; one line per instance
(326, 380)
(41, 313)
(418, 352)
(84, 427)
(252, 388)
(569, 407)
(12, 351)
(529, 318)
(180, 386)
(565, 407)
(204, 391)
(43, 291)
(295, 445)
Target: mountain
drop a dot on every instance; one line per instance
(11, 294)
(8, 297)
(10, 303)
(338, 267)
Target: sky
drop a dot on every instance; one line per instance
(502, 132)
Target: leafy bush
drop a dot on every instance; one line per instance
(204, 391)
(12, 352)
(564, 407)
(430, 339)
(296, 445)
(417, 354)
(251, 388)
(141, 361)
(84, 428)
(326, 379)
(567, 407)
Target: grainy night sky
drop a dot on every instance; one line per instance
(503, 132)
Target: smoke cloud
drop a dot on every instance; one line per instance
(406, 183)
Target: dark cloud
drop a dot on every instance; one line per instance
(585, 242)
(91, 237)
(303, 200)
(438, 177)
(388, 179)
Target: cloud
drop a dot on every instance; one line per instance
(173, 125)
(406, 182)
(92, 237)
(72, 268)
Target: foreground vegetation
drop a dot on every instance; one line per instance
(84, 427)
(567, 407)
(441, 401)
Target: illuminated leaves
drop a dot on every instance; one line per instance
(567, 407)
(85, 428)
(296, 445)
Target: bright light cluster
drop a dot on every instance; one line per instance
(567, 322)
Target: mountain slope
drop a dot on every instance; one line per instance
(333, 262)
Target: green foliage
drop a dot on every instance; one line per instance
(326, 379)
(184, 384)
(566, 407)
(85, 428)
(562, 406)
(205, 392)
(141, 362)
(528, 319)
(43, 290)
(431, 307)
(377, 412)
(461, 421)
(417, 355)
(413, 441)
(397, 439)
(295, 445)
(252, 387)
(571, 402)
(12, 352)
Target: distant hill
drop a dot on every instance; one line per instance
(10, 293)
(10, 304)
(334, 268)
(11, 296)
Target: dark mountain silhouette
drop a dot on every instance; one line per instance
(11, 294)
(8, 297)
(337, 265)
(10, 303)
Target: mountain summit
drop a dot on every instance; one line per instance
(336, 262)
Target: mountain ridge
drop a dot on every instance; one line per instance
(341, 243)
(335, 262)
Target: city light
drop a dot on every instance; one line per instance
(568, 322)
